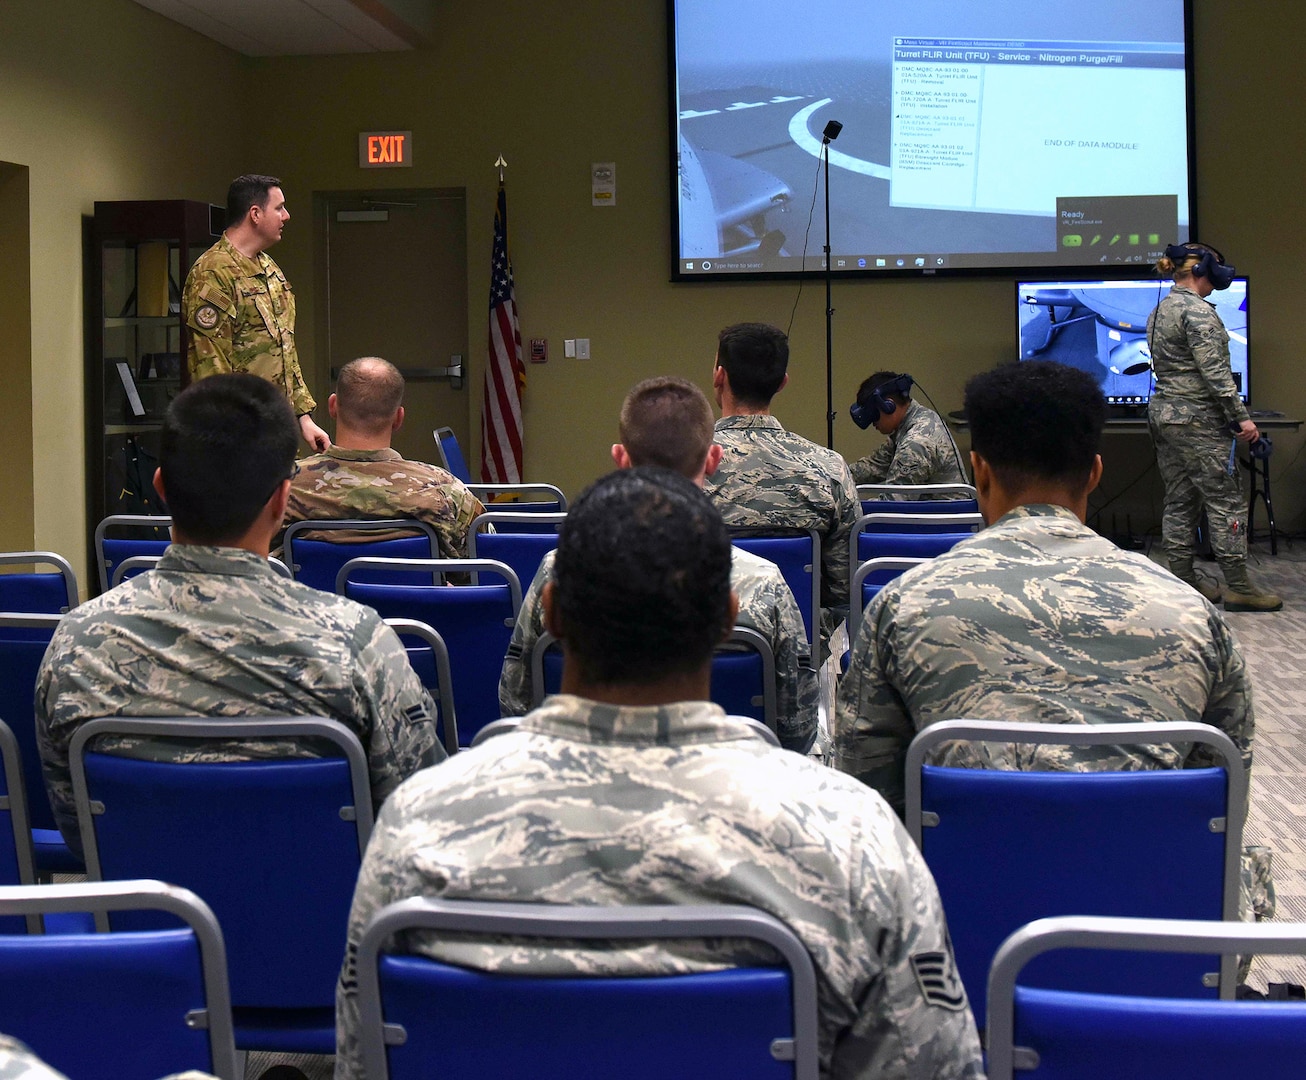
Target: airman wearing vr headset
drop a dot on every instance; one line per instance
(1193, 410)
(918, 450)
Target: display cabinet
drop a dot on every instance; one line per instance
(139, 255)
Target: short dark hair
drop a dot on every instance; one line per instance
(369, 390)
(1036, 421)
(755, 357)
(642, 578)
(667, 421)
(227, 442)
(246, 191)
(879, 379)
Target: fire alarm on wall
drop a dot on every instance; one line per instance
(539, 350)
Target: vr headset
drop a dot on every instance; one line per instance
(1210, 263)
(865, 415)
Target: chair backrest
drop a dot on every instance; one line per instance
(1067, 1035)
(743, 675)
(138, 564)
(798, 555)
(273, 845)
(107, 1006)
(451, 454)
(521, 499)
(868, 579)
(16, 866)
(318, 562)
(23, 641)
(149, 536)
(475, 622)
(520, 540)
(420, 1017)
(1006, 848)
(922, 499)
(41, 592)
(908, 536)
(429, 658)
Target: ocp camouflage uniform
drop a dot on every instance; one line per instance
(766, 605)
(214, 631)
(772, 478)
(1037, 618)
(594, 804)
(241, 316)
(1194, 402)
(381, 484)
(19, 1063)
(918, 452)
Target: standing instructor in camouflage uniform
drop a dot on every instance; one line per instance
(238, 305)
(1194, 409)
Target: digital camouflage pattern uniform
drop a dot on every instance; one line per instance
(19, 1063)
(677, 804)
(765, 604)
(241, 316)
(772, 478)
(381, 484)
(1194, 402)
(918, 452)
(1038, 618)
(216, 632)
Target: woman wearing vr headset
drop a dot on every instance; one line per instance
(919, 449)
(1193, 411)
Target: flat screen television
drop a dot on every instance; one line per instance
(1101, 327)
(976, 136)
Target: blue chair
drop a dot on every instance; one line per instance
(798, 555)
(1007, 848)
(907, 536)
(869, 578)
(138, 564)
(38, 592)
(150, 535)
(23, 641)
(422, 1018)
(1066, 1035)
(523, 499)
(520, 540)
(317, 562)
(273, 845)
(451, 454)
(475, 622)
(108, 1006)
(429, 658)
(928, 499)
(743, 675)
(16, 865)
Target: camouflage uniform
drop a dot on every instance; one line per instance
(380, 484)
(19, 1063)
(595, 804)
(216, 632)
(1194, 401)
(918, 452)
(1038, 618)
(770, 477)
(241, 316)
(765, 605)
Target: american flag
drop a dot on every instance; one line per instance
(505, 372)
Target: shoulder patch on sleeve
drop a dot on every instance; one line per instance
(936, 974)
(206, 318)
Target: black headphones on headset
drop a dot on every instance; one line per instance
(1210, 263)
(882, 403)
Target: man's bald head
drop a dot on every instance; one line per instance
(369, 391)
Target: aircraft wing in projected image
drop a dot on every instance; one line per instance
(729, 208)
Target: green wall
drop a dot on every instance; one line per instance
(101, 99)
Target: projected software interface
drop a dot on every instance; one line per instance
(1101, 327)
(974, 135)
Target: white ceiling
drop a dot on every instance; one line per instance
(302, 27)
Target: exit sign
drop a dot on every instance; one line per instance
(385, 149)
